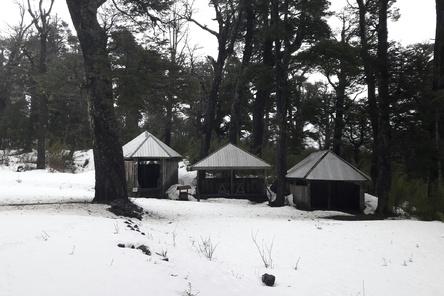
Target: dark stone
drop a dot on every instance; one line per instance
(126, 208)
(121, 245)
(146, 250)
(268, 279)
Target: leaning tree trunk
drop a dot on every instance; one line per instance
(108, 156)
(383, 183)
(226, 37)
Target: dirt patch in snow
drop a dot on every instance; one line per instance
(76, 208)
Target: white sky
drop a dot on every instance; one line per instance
(417, 22)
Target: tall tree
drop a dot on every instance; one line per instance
(438, 87)
(384, 168)
(280, 72)
(368, 60)
(239, 94)
(41, 21)
(263, 78)
(108, 157)
(337, 59)
(228, 18)
(178, 41)
(293, 23)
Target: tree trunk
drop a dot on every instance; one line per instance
(131, 127)
(235, 122)
(370, 80)
(108, 157)
(226, 37)
(168, 122)
(262, 95)
(210, 111)
(339, 110)
(383, 183)
(438, 87)
(340, 99)
(41, 23)
(42, 102)
(281, 112)
(33, 117)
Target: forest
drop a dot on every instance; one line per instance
(282, 84)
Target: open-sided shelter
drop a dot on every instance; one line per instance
(151, 166)
(325, 181)
(233, 173)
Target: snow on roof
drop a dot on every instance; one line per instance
(231, 157)
(325, 165)
(146, 145)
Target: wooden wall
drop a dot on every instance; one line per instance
(169, 175)
(301, 195)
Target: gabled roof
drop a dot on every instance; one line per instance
(146, 145)
(231, 157)
(325, 165)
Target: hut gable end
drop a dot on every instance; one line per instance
(231, 157)
(148, 146)
(325, 165)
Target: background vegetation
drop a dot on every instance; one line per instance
(283, 83)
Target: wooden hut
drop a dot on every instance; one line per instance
(232, 172)
(325, 181)
(151, 166)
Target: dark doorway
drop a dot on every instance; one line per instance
(335, 195)
(148, 175)
(319, 194)
(345, 196)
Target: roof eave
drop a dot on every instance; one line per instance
(228, 168)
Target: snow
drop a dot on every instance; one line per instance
(54, 242)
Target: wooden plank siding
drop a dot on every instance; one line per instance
(168, 177)
(243, 188)
(301, 196)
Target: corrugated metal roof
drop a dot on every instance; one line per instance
(325, 165)
(230, 157)
(146, 145)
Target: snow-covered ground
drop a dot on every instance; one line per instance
(51, 248)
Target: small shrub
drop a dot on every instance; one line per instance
(163, 253)
(28, 161)
(189, 291)
(59, 159)
(297, 264)
(4, 158)
(264, 251)
(205, 247)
